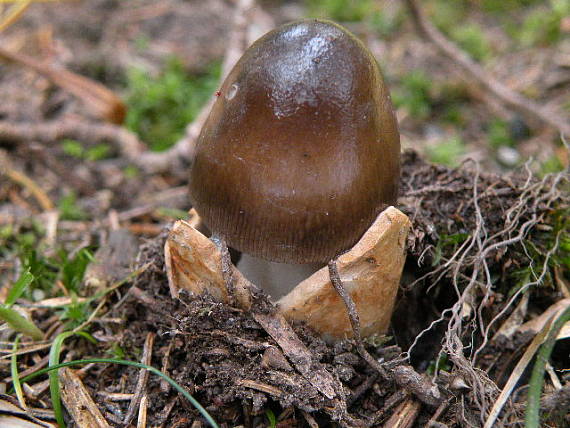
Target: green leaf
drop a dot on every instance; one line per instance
(54, 354)
(447, 152)
(68, 208)
(75, 312)
(73, 269)
(98, 152)
(271, 418)
(14, 372)
(19, 323)
(19, 287)
(72, 148)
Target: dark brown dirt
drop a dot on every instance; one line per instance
(238, 372)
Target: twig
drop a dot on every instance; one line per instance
(172, 159)
(237, 38)
(442, 407)
(405, 376)
(164, 386)
(23, 180)
(99, 99)
(37, 366)
(259, 386)
(474, 71)
(165, 413)
(354, 318)
(143, 407)
(301, 357)
(140, 388)
(362, 388)
(14, 13)
(75, 128)
(78, 401)
(405, 415)
(391, 402)
(309, 419)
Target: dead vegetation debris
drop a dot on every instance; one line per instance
(237, 371)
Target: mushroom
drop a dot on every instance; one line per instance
(300, 153)
(301, 150)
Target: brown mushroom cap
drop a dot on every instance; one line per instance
(301, 150)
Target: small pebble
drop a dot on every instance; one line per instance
(38, 295)
(508, 156)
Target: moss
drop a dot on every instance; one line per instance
(472, 39)
(447, 152)
(340, 10)
(413, 94)
(160, 107)
(498, 134)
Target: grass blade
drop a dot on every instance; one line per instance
(54, 353)
(19, 323)
(18, 288)
(153, 370)
(532, 416)
(15, 375)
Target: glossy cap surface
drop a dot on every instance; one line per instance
(301, 150)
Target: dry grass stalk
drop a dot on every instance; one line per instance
(78, 401)
(12, 415)
(142, 414)
(141, 381)
(99, 99)
(23, 180)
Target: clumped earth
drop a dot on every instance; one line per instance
(237, 371)
(488, 255)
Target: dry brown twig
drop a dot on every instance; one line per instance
(405, 376)
(142, 380)
(99, 99)
(486, 81)
(76, 128)
(78, 401)
(25, 181)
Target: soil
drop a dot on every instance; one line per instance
(237, 371)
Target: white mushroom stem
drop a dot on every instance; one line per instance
(277, 279)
